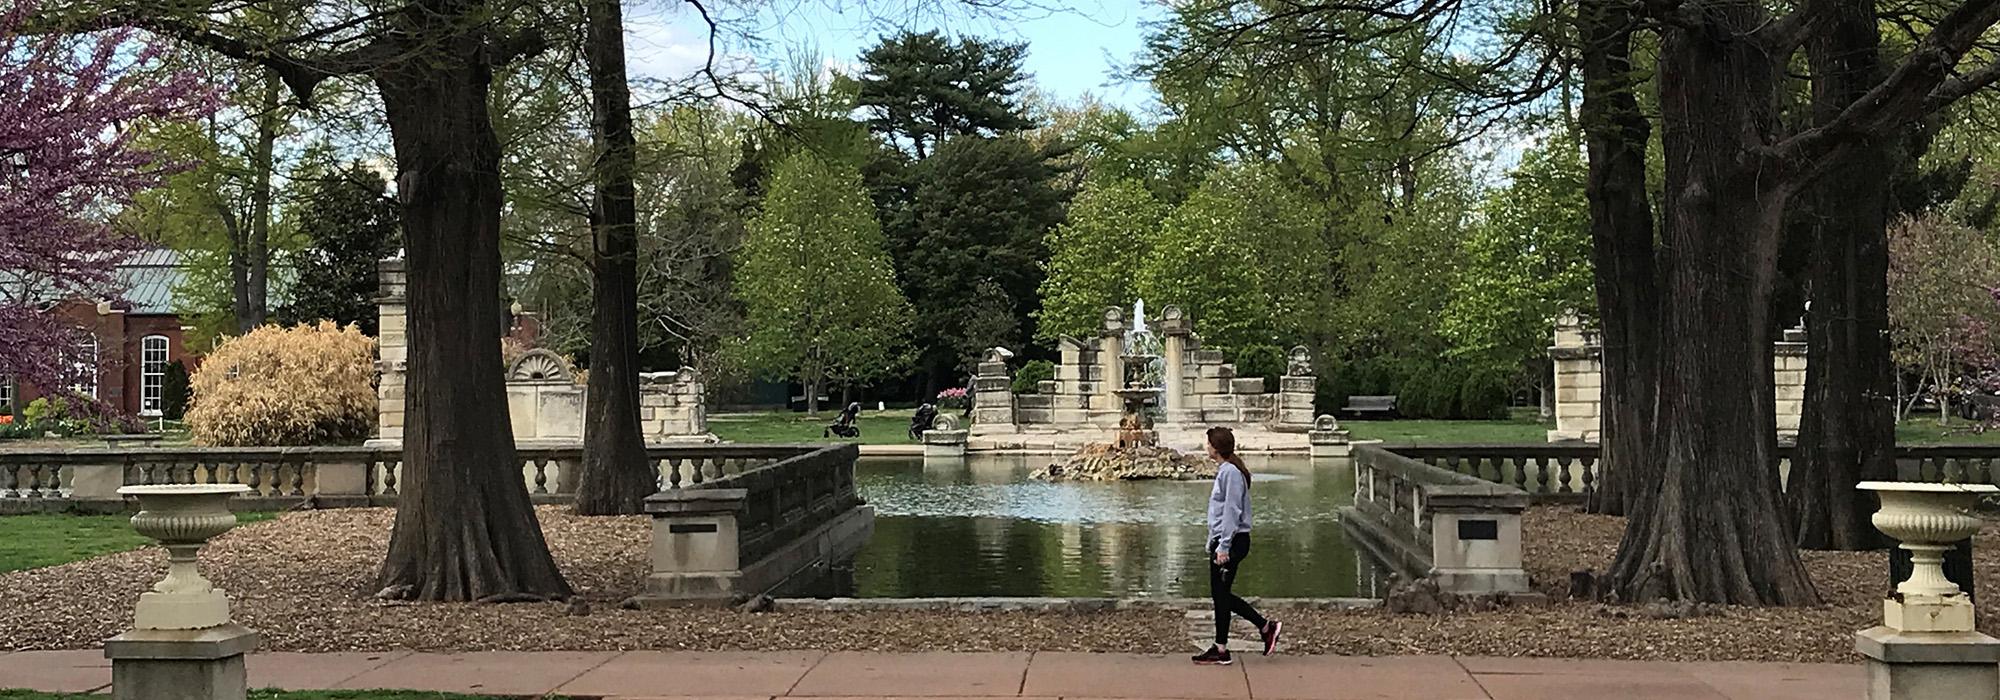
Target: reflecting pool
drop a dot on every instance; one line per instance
(980, 527)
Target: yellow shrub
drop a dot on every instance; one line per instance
(305, 385)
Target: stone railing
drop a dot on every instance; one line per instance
(757, 531)
(1461, 531)
(1562, 472)
(87, 478)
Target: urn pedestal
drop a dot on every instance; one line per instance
(1926, 646)
(183, 645)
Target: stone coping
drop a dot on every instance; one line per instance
(1058, 605)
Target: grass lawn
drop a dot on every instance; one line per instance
(35, 541)
(277, 695)
(891, 427)
(1442, 432)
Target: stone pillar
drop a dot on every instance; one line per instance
(1296, 391)
(993, 395)
(1070, 408)
(1174, 332)
(1579, 378)
(1476, 538)
(673, 406)
(391, 352)
(695, 545)
(1788, 376)
(1107, 408)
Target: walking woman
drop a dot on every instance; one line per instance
(1228, 544)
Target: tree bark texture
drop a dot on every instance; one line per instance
(464, 528)
(1709, 527)
(616, 477)
(1848, 432)
(1621, 232)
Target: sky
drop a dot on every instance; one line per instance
(1074, 50)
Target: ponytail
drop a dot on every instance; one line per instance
(1224, 442)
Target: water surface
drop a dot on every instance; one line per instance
(981, 527)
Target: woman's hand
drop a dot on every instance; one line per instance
(1221, 557)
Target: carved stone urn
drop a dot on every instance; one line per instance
(1928, 519)
(183, 518)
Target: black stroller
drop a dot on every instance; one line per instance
(925, 417)
(844, 425)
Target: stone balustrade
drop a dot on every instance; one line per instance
(767, 530)
(1460, 531)
(86, 479)
(1568, 472)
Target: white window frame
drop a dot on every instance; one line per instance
(87, 349)
(154, 356)
(7, 395)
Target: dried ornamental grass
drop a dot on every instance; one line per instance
(304, 385)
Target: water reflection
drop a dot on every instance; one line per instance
(979, 527)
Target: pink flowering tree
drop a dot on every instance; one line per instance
(67, 162)
(1944, 310)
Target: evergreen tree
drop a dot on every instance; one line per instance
(350, 226)
(969, 243)
(817, 283)
(924, 88)
(1094, 257)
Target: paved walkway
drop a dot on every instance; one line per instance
(766, 675)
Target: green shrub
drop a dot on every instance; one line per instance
(1263, 361)
(305, 385)
(1483, 396)
(175, 391)
(1032, 374)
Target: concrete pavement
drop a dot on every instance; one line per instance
(768, 675)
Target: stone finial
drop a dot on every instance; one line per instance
(1326, 422)
(1173, 321)
(687, 375)
(540, 365)
(998, 354)
(1299, 362)
(1114, 322)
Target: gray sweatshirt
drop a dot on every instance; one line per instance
(1228, 506)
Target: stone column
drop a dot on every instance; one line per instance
(391, 352)
(1174, 331)
(1107, 407)
(1073, 389)
(1788, 375)
(1296, 391)
(1579, 370)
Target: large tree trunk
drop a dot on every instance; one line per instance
(1848, 432)
(616, 478)
(263, 160)
(1709, 528)
(464, 526)
(1621, 232)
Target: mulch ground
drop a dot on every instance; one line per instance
(306, 582)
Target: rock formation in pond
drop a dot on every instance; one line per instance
(1104, 461)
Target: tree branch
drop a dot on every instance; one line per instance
(1916, 87)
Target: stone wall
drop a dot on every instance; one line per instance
(545, 403)
(1579, 380)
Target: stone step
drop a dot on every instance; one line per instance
(1243, 638)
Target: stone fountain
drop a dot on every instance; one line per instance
(1135, 453)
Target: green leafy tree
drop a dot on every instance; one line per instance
(350, 224)
(969, 243)
(924, 88)
(1525, 263)
(1238, 256)
(816, 281)
(1094, 256)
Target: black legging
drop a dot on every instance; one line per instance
(1221, 577)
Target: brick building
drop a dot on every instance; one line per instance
(129, 341)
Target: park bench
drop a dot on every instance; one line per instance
(1378, 407)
